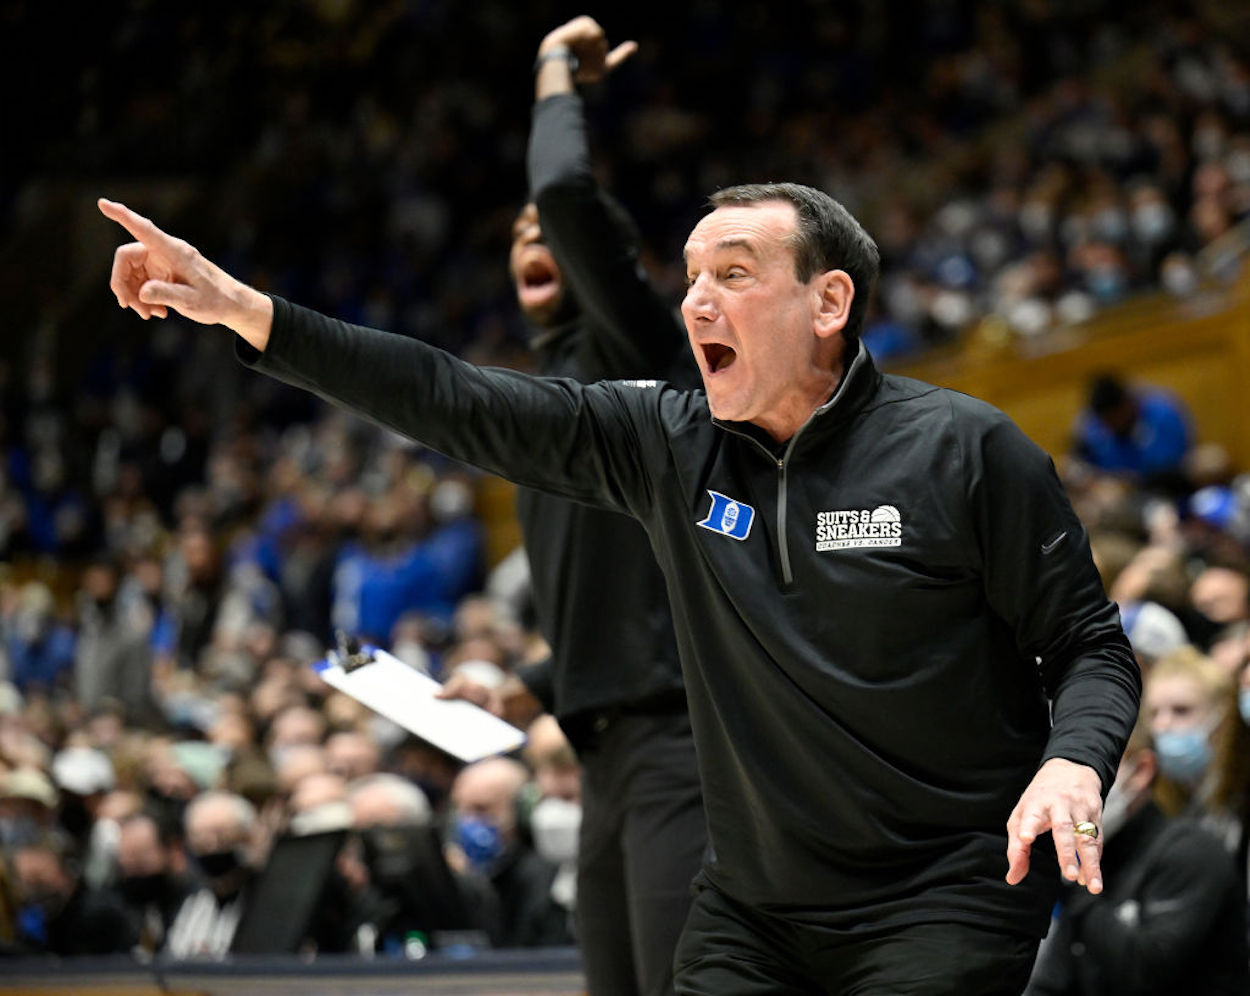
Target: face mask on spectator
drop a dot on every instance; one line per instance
(555, 824)
(139, 890)
(1243, 705)
(218, 864)
(480, 840)
(1184, 755)
(167, 809)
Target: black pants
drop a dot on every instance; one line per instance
(728, 948)
(642, 839)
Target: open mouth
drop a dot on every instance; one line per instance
(718, 357)
(538, 282)
(537, 273)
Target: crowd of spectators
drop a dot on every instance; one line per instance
(179, 540)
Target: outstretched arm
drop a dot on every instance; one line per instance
(578, 441)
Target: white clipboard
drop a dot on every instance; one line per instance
(406, 696)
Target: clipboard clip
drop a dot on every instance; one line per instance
(351, 654)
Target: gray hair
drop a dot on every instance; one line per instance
(244, 811)
(408, 798)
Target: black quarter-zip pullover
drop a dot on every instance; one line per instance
(880, 645)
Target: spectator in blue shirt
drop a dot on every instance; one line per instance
(1141, 431)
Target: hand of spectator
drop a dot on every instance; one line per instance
(585, 38)
(159, 272)
(1061, 795)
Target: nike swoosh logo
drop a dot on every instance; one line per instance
(1048, 547)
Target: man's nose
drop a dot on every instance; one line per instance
(699, 301)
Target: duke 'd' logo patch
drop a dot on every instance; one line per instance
(728, 517)
(845, 529)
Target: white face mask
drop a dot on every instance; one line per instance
(555, 824)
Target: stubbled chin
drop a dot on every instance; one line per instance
(719, 401)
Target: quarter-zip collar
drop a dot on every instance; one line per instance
(858, 384)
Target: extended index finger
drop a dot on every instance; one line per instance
(136, 224)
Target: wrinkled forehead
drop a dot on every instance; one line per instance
(762, 229)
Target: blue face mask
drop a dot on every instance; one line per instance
(1183, 755)
(481, 841)
(1243, 705)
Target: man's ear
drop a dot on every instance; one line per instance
(834, 294)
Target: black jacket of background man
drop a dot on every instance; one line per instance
(598, 593)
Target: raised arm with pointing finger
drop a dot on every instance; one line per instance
(893, 635)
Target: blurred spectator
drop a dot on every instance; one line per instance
(556, 819)
(58, 914)
(409, 890)
(1172, 916)
(295, 762)
(1133, 430)
(406, 560)
(199, 587)
(28, 804)
(221, 835)
(113, 658)
(1152, 630)
(152, 881)
(319, 803)
(1219, 597)
(352, 755)
(388, 800)
(85, 776)
(294, 726)
(487, 797)
(1186, 703)
(40, 647)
